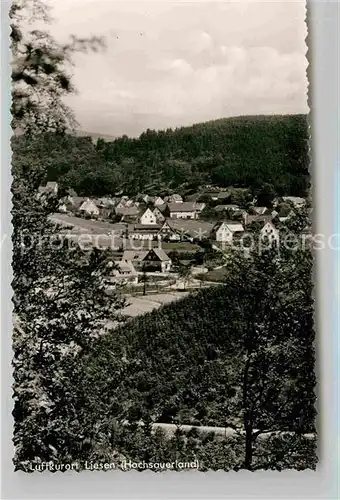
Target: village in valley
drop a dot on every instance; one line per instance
(161, 237)
(162, 247)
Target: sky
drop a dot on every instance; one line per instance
(173, 63)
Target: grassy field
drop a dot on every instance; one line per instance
(137, 306)
(182, 246)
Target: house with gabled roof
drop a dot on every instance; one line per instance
(226, 231)
(89, 207)
(270, 233)
(123, 201)
(191, 230)
(151, 260)
(297, 201)
(268, 226)
(159, 215)
(148, 217)
(185, 210)
(123, 272)
(217, 195)
(260, 210)
(50, 187)
(252, 219)
(149, 199)
(158, 201)
(167, 232)
(74, 202)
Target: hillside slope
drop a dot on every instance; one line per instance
(184, 362)
(245, 151)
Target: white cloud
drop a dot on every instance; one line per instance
(174, 63)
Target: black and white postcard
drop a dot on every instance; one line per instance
(163, 310)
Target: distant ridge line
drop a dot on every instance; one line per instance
(213, 122)
(94, 135)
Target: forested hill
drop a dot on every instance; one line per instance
(185, 361)
(243, 151)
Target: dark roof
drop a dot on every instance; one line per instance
(161, 208)
(263, 219)
(146, 227)
(127, 211)
(160, 254)
(222, 208)
(140, 255)
(234, 226)
(194, 228)
(76, 201)
(185, 206)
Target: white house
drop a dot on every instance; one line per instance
(158, 214)
(185, 210)
(158, 201)
(225, 232)
(270, 233)
(89, 207)
(62, 208)
(50, 188)
(295, 200)
(168, 233)
(124, 272)
(148, 217)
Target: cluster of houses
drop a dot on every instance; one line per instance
(170, 219)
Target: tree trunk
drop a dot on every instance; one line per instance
(144, 283)
(247, 420)
(249, 447)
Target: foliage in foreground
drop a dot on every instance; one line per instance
(238, 355)
(59, 308)
(41, 70)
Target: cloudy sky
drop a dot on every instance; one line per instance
(170, 63)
